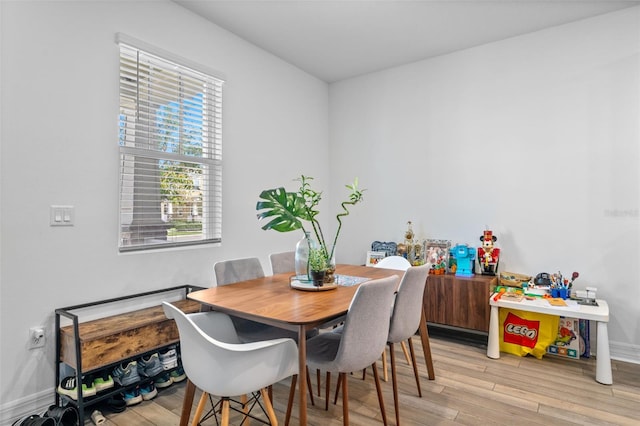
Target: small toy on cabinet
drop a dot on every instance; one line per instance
(411, 249)
(488, 255)
(465, 259)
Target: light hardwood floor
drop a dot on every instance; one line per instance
(469, 389)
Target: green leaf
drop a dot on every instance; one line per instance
(284, 209)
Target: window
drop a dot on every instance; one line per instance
(170, 141)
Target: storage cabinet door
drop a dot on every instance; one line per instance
(459, 302)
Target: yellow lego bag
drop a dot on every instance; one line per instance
(523, 332)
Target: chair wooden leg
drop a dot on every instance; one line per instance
(326, 391)
(224, 418)
(406, 354)
(426, 346)
(187, 402)
(415, 367)
(245, 408)
(385, 376)
(292, 393)
(318, 380)
(309, 387)
(394, 381)
(269, 407)
(338, 384)
(379, 389)
(345, 399)
(200, 409)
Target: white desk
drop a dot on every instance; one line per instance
(599, 313)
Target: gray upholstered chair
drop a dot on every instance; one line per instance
(232, 271)
(218, 364)
(283, 262)
(405, 321)
(401, 264)
(361, 341)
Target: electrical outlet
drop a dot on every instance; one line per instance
(36, 337)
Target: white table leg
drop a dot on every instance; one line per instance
(493, 345)
(603, 358)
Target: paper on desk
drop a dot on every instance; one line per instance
(556, 302)
(568, 303)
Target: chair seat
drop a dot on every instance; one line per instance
(252, 331)
(322, 350)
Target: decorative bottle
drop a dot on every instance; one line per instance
(302, 256)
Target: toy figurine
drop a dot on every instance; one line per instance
(488, 255)
(465, 259)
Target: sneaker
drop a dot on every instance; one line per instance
(115, 404)
(68, 387)
(150, 366)
(163, 381)
(126, 375)
(132, 396)
(148, 391)
(177, 375)
(169, 358)
(103, 382)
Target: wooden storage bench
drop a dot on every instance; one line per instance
(105, 342)
(113, 339)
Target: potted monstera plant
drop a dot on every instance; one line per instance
(287, 211)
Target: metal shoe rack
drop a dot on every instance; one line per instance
(111, 340)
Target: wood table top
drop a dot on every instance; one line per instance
(272, 301)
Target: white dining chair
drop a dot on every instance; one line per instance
(393, 262)
(217, 363)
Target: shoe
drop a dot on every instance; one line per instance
(126, 375)
(177, 375)
(68, 387)
(64, 416)
(150, 366)
(163, 381)
(148, 391)
(35, 420)
(115, 404)
(169, 358)
(132, 396)
(103, 382)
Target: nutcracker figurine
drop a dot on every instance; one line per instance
(488, 255)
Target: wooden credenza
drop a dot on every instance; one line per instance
(459, 301)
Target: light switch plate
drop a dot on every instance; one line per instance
(62, 215)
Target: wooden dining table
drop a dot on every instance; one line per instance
(271, 300)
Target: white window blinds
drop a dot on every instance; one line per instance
(170, 138)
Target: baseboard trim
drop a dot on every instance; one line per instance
(625, 352)
(36, 403)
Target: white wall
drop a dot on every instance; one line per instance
(59, 146)
(536, 137)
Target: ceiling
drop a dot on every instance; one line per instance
(339, 39)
